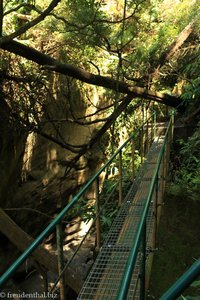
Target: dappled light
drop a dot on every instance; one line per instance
(27, 158)
(52, 164)
(99, 131)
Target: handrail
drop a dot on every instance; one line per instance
(19, 261)
(182, 283)
(125, 283)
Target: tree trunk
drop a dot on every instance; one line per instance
(170, 52)
(80, 74)
(22, 240)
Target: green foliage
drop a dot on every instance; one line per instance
(189, 298)
(81, 25)
(109, 207)
(91, 31)
(86, 209)
(191, 93)
(196, 283)
(187, 174)
(191, 90)
(194, 291)
(82, 209)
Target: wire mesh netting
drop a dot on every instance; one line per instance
(106, 274)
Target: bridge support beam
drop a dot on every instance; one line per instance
(61, 274)
(98, 226)
(120, 179)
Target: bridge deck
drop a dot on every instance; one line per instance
(105, 276)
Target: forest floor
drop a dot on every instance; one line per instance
(178, 245)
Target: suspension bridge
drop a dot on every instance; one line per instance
(122, 267)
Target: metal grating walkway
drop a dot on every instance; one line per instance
(105, 276)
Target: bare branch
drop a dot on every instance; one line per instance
(31, 127)
(56, 141)
(96, 138)
(78, 120)
(96, 67)
(99, 109)
(93, 21)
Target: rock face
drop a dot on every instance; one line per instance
(34, 167)
(33, 186)
(12, 143)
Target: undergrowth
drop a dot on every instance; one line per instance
(186, 183)
(186, 173)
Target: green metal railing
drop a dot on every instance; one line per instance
(183, 282)
(140, 236)
(55, 224)
(140, 240)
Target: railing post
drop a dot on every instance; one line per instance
(164, 168)
(154, 124)
(143, 265)
(168, 152)
(172, 127)
(59, 239)
(156, 209)
(98, 229)
(142, 143)
(120, 179)
(133, 158)
(147, 131)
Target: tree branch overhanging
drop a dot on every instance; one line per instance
(172, 49)
(121, 107)
(107, 82)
